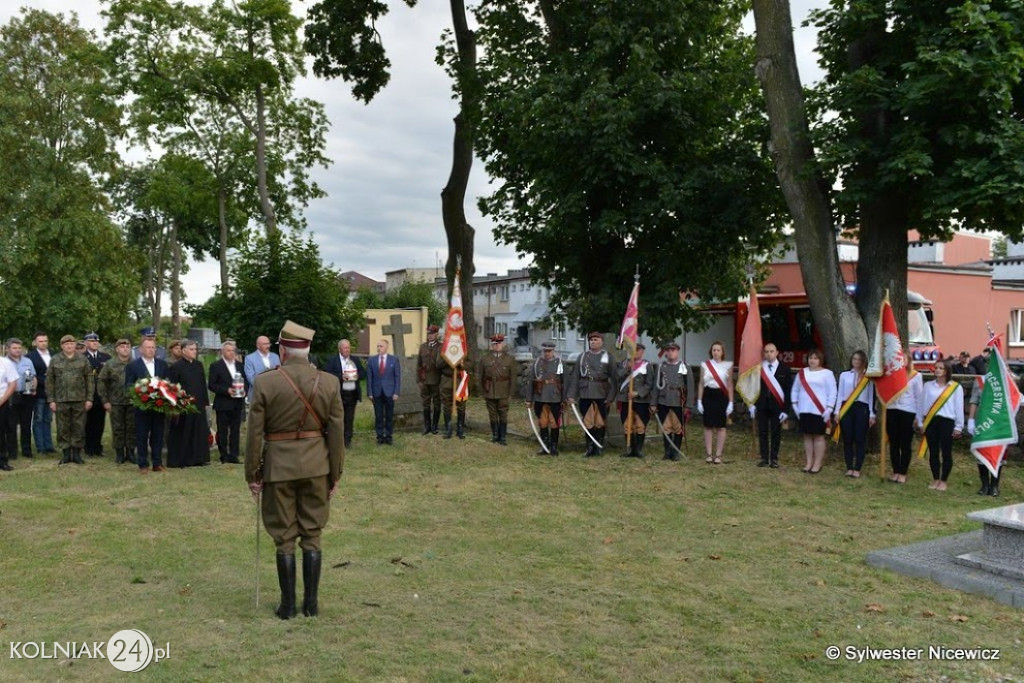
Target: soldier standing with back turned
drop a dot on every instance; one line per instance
(498, 372)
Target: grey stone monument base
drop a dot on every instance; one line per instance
(988, 562)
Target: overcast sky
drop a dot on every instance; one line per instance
(392, 157)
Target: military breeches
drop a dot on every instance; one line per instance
(594, 412)
(548, 414)
(497, 409)
(71, 425)
(296, 509)
(122, 426)
(430, 394)
(671, 419)
(637, 422)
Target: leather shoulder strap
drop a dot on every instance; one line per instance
(306, 401)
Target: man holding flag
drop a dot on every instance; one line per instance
(775, 378)
(454, 386)
(992, 422)
(888, 368)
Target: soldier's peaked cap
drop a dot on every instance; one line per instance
(548, 346)
(92, 336)
(66, 338)
(295, 336)
(594, 334)
(147, 332)
(670, 345)
(432, 329)
(497, 338)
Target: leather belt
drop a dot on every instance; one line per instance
(285, 436)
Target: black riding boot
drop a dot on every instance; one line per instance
(599, 435)
(434, 418)
(426, 420)
(553, 441)
(503, 433)
(447, 425)
(985, 477)
(286, 579)
(460, 425)
(546, 440)
(310, 581)
(638, 445)
(677, 439)
(993, 489)
(494, 432)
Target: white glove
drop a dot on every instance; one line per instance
(753, 412)
(970, 426)
(728, 409)
(783, 417)
(700, 406)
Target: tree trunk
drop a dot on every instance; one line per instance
(835, 312)
(160, 252)
(460, 234)
(175, 282)
(222, 244)
(261, 163)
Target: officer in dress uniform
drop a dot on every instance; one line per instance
(96, 418)
(643, 384)
(498, 372)
(428, 376)
(593, 386)
(295, 455)
(115, 400)
(547, 392)
(670, 396)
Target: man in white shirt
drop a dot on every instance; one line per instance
(8, 384)
(260, 360)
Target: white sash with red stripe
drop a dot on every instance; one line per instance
(710, 365)
(774, 387)
(810, 393)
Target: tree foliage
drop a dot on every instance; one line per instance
(409, 294)
(626, 136)
(64, 262)
(276, 279)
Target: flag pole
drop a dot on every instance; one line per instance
(885, 443)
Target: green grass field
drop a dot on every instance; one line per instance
(465, 561)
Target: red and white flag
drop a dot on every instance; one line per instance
(454, 348)
(748, 384)
(888, 363)
(628, 333)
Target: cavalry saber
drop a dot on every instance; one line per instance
(664, 434)
(586, 431)
(536, 432)
(258, 496)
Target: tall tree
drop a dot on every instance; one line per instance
(626, 135)
(919, 120)
(63, 267)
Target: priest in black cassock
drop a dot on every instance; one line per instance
(188, 438)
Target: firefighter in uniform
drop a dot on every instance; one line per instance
(447, 398)
(70, 386)
(498, 372)
(96, 418)
(114, 396)
(642, 374)
(295, 454)
(670, 395)
(546, 395)
(592, 386)
(428, 376)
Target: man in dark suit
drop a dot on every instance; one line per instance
(96, 418)
(42, 418)
(149, 425)
(770, 407)
(229, 387)
(383, 384)
(350, 372)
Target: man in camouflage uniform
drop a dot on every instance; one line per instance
(670, 396)
(593, 386)
(116, 401)
(546, 394)
(296, 451)
(428, 377)
(447, 397)
(635, 424)
(70, 386)
(498, 372)
(96, 418)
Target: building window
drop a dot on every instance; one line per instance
(1017, 327)
(504, 293)
(581, 336)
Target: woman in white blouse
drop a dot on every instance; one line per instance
(900, 416)
(940, 415)
(859, 417)
(814, 401)
(714, 400)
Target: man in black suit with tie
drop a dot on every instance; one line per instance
(229, 387)
(350, 372)
(149, 425)
(770, 407)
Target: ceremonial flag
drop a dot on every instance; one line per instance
(751, 345)
(888, 363)
(454, 348)
(628, 333)
(995, 420)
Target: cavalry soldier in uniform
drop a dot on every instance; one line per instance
(96, 418)
(446, 389)
(670, 396)
(546, 392)
(643, 384)
(593, 386)
(70, 387)
(295, 455)
(428, 377)
(498, 372)
(115, 399)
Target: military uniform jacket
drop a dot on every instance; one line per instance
(275, 409)
(670, 384)
(426, 363)
(547, 381)
(110, 383)
(643, 382)
(446, 373)
(594, 377)
(498, 373)
(70, 380)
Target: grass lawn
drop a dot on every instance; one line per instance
(463, 560)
